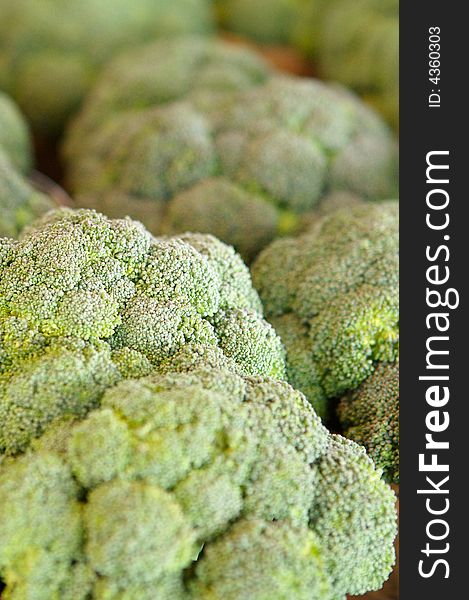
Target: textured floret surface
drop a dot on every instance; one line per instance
(332, 295)
(194, 484)
(86, 300)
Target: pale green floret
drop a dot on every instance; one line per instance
(53, 50)
(246, 166)
(170, 587)
(370, 416)
(194, 485)
(20, 203)
(261, 561)
(351, 518)
(85, 301)
(40, 526)
(332, 294)
(161, 540)
(62, 378)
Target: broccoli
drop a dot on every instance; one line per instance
(85, 301)
(332, 295)
(370, 416)
(20, 204)
(194, 484)
(357, 43)
(243, 166)
(52, 50)
(14, 135)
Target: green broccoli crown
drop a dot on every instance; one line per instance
(370, 416)
(198, 484)
(52, 50)
(265, 155)
(332, 295)
(80, 293)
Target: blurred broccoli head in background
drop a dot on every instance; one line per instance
(198, 484)
(85, 301)
(356, 42)
(332, 295)
(19, 202)
(244, 166)
(52, 50)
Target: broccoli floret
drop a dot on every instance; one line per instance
(191, 485)
(349, 483)
(52, 50)
(258, 561)
(244, 166)
(85, 301)
(370, 416)
(332, 294)
(330, 203)
(62, 379)
(200, 209)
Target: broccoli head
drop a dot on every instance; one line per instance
(370, 416)
(52, 50)
(243, 166)
(85, 300)
(198, 484)
(332, 295)
(20, 203)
